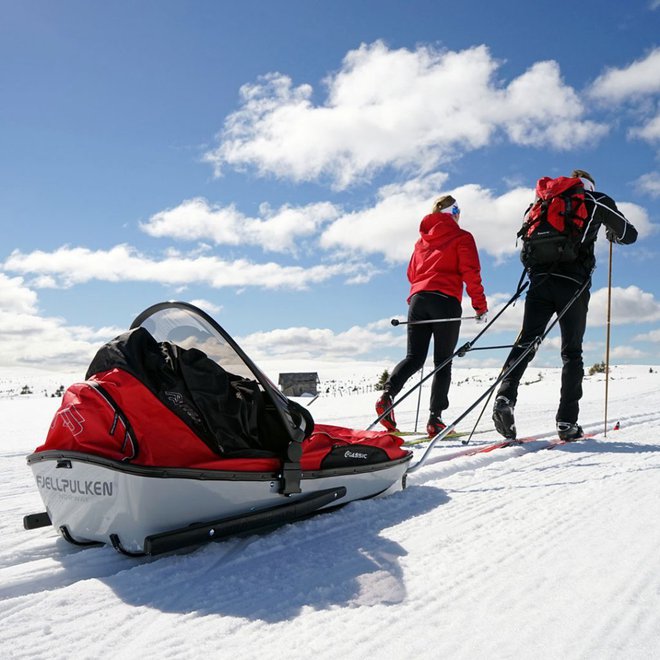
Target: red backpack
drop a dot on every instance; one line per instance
(554, 224)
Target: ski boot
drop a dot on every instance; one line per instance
(568, 432)
(435, 425)
(382, 405)
(505, 423)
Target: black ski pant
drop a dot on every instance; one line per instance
(425, 306)
(549, 294)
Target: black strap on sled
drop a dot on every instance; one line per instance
(291, 472)
(129, 435)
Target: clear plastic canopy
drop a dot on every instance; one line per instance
(187, 326)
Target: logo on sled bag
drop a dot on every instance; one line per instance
(554, 224)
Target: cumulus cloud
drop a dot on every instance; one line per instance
(15, 296)
(29, 339)
(637, 79)
(206, 306)
(556, 122)
(304, 342)
(653, 336)
(407, 109)
(626, 353)
(629, 305)
(639, 216)
(649, 131)
(35, 340)
(67, 266)
(390, 226)
(493, 220)
(649, 184)
(278, 230)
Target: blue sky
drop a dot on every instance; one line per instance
(272, 161)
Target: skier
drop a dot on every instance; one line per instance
(551, 288)
(444, 259)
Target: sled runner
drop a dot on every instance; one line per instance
(176, 437)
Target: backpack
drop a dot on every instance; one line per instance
(554, 224)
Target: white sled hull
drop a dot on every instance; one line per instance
(92, 500)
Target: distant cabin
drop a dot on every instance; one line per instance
(299, 384)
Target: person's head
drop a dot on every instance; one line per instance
(587, 180)
(446, 204)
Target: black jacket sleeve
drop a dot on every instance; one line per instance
(618, 228)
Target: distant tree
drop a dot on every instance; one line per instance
(380, 385)
(26, 390)
(598, 368)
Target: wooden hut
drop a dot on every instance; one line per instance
(299, 384)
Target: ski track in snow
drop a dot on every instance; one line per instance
(517, 553)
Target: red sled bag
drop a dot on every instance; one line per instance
(330, 447)
(113, 415)
(554, 224)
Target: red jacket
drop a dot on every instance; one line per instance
(446, 257)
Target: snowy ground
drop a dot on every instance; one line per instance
(510, 554)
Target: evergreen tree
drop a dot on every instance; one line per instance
(382, 380)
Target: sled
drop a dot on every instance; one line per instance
(177, 438)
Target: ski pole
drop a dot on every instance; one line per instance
(458, 318)
(607, 343)
(532, 346)
(474, 428)
(460, 352)
(419, 398)
(466, 441)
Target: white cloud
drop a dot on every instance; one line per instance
(303, 342)
(206, 306)
(390, 227)
(649, 183)
(95, 335)
(629, 305)
(279, 230)
(554, 122)
(639, 78)
(411, 110)
(626, 353)
(653, 336)
(639, 218)
(70, 266)
(493, 221)
(34, 340)
(29, 339)
(649, 131)
(15, 297)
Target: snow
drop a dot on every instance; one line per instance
(509, 554)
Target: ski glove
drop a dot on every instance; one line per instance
(482, 318)
(611, 235)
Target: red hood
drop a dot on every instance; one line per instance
(437, 228)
